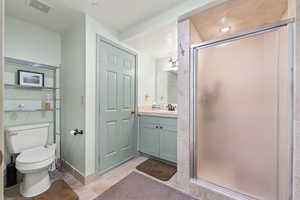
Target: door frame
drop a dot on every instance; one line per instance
(2, 16)
(193, 99)
(100, 38)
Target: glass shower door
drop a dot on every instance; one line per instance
(242, 115)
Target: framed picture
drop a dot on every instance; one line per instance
(30, 79)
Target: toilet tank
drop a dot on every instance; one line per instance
(20, 138)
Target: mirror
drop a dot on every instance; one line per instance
(157, 67)
(166, 81)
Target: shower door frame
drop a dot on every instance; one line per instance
(193, 98)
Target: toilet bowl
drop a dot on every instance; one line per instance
(34, 158)
(34, 165)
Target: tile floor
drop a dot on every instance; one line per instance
(97, 187)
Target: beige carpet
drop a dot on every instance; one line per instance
(59, 190)
(139, 187)
(157, 169)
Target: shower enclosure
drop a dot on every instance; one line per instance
(242, 113)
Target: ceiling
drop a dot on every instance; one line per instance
(160, 42)
(57, 19)
(238, 15)
(117, 15)
(122, 14)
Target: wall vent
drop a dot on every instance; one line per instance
(39, 5)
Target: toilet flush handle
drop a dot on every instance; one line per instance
(13, 133)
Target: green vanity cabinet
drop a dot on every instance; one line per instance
(158, 137)
(149, 139)
(168, 143)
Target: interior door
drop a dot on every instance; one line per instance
(1, 95)
(117, 103)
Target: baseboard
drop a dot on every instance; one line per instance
(159, 159)
(74, 172)
(99, 173)
(90, 178)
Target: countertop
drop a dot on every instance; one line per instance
(158, 113)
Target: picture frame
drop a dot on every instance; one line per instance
(30, 79)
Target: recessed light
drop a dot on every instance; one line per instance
(225, 29)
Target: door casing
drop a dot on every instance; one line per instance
(98, 70)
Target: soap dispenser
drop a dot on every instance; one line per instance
(48, 102)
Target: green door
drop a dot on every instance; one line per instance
(116, 79)
(168, 143)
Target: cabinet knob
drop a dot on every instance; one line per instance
(156, 126)
(161, 127)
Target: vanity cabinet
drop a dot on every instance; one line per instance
(149, 139)
(158, 137)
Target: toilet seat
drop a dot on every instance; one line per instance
(35, 158)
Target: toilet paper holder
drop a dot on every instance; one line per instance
(76, 132)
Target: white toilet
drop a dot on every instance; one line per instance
(35, 156)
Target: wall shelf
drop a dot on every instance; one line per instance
(29, 63)
(25, 124)
(34, 110)
(31, 88)
(19, 63)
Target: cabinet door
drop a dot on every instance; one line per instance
(168, 143)
(149, 139)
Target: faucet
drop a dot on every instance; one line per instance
(171, 107)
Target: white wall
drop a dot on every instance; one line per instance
(72, 93)
(30, 42)
(146, 80)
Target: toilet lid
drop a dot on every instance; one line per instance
(35, 155)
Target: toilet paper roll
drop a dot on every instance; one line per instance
(72, 132)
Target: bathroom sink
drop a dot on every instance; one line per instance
(159, 113)
(168, 111)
